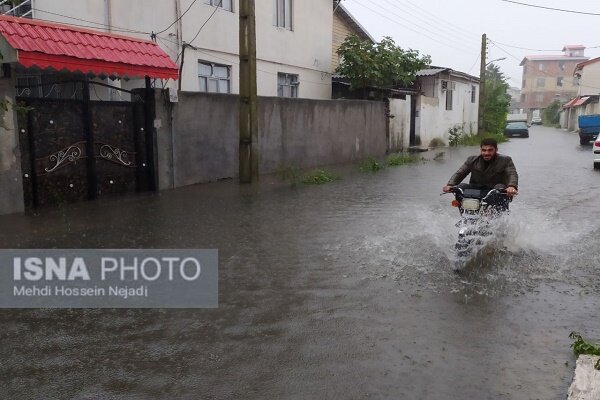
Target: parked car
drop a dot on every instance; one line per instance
(536, 121)
(516, 129)
(596, 150)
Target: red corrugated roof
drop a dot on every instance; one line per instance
(50, 45)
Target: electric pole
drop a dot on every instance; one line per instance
(480, 130)
(248, 157)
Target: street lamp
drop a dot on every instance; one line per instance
(497, 59)
(482, 91)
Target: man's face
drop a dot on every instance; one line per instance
(488, 152)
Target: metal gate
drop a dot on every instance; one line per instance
(74, 150)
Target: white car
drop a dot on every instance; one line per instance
(596, 150)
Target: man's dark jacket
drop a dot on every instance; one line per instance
(499, 170)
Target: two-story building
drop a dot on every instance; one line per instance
(587, 76)
(549, 77)
(293, 39)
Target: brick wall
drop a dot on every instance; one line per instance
(540, 86)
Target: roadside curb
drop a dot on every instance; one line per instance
(586, 383)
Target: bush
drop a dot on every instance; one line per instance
(319, 177)
(437, 142)
(402, 159)
(371, 165)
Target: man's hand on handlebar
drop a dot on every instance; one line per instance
(447, 189)
(511, 191)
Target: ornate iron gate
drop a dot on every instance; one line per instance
(73, 150)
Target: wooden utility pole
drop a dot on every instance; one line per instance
(248, 161)
(480, 130)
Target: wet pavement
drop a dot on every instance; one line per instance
(344, 290)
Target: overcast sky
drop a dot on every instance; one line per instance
(450, 30)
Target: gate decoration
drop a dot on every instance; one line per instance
(73, 150)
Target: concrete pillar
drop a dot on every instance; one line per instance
(11, 184)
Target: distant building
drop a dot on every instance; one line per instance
(515, 100)
(550, 77)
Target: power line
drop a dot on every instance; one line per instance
(442, 29)
(551, 8)
(409, 28)
(455, 28)
(181, 16)
(206, 22)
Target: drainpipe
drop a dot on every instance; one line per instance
(108, 23)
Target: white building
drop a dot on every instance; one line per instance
(587, 79)
(449, 100)
(294, 39)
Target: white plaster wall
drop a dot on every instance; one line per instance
(305, 50)
(399, 135)
(436, 121)
(589, 83)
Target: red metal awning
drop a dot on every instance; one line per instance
(63, 47)
(581, 101)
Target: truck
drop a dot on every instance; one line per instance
(589, 127)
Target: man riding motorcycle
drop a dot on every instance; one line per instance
(489, 169)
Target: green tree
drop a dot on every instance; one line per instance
(496, 101)
(378, 64)
(551, 115)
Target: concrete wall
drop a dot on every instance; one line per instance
(305, 50)
(11, 185)
(399, 135)
(201, 144)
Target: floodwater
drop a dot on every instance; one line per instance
(344, 290)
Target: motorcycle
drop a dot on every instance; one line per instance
(479, 207)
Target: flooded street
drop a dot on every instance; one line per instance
(344, 290)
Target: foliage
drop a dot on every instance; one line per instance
(437, 142)
(378, 64)
(370, 165)
(289, 173)
(475, 140)
(319, 177)
(402, 159)
(454, 135)
(551, 115)
(580, 346)
(496, 101)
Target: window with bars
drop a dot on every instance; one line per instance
(282, 14)
(473, 93)
(214, 78)
(540, 82)
(224, 4)
(559, 81)
(287, 85)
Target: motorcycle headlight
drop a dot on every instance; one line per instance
(470, 204)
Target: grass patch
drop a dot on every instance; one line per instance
(580, 346)
(402, 159)
(371, 164)
(319, 177)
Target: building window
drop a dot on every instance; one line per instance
(559, 81)
(541, 66)
(473, 93)
(282, 14)
(561, 65)
(225, 4)
(523, 98)
(523, 83)
(214, 78)
(539, 97)
(449, 99)
(576, 81)
(541, 82)
(287, 85)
